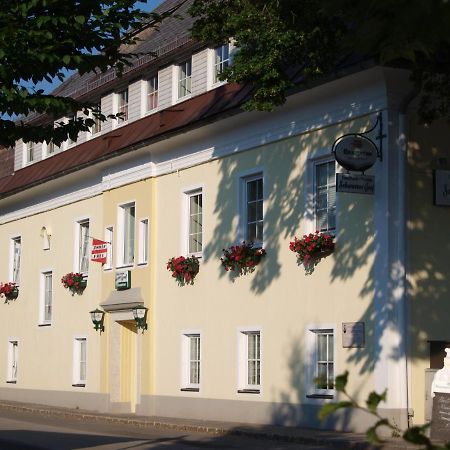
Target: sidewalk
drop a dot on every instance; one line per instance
(334, 439)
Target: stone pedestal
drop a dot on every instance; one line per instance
(440, 391)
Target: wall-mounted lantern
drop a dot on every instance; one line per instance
(140, 316)
(97, 317)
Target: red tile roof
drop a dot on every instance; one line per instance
(168, 121)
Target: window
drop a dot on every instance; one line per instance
(13, 354)
(325, 196)
(191, 361)
(16, 244)
(83, 246)
(185, 79)
(46, 298)
(253, 209)
(29, 152)
(143, 241)
(324, 360)
(152, 93)
(97, 127)
(250, 364)
(50, 148)
(122, 97)
(79, 362)
(71, 118)
(195, 227)
(221, 61)
(127, 224)
(109, 238)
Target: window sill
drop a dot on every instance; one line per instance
(107, 269)
(126, 266)
(11, 381)
(142, 264)
(249, 391)
(79, 385)
(190, 389)
(321, 396)
(45, 324)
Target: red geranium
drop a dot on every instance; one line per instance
(242, 259)
(9, 290)
(183, 269)
(75, 282)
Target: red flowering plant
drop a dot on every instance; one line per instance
(311, 249)
(242, 259)
(184, 269)
(75, 282)
(9, 290)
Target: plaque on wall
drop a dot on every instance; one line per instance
(355, 183)
(123, 280)
(440, 423)
(442, 187)
(353, 335)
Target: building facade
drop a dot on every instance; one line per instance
(185, 171)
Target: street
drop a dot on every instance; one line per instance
(27, 431)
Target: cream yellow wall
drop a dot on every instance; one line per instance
(429, 247)
(278, 298)
(140, 193)
(46, 352)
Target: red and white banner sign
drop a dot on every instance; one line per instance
(99, 251)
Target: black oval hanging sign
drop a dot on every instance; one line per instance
(355, 152)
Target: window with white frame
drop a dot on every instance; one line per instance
(152, 93)
(109, 239)
(185, 78)
(191, 360)
(195, 222)
(83, 246)
(324, 360)
(50, 148)
(221, 61)
(29, 152)
(71, 118)
(79, 361)
(250, 361)
(16, 252)
(97, 127)
(127, 224)
(122, 105)
(13, 357)
(143, 241)
(325, 196)
(253, 209)
(46, 298)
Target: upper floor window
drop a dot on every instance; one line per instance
(325, 196)
(29, 152)
(221, 61)
(71, 118)
(143, 241)
(109, 237)
(122, 106)
(185, 78)
(253, 209)
(152, 93)
(16, 255)
(97, 127)
(195, 228)
(127, 223)
(83, 246)
(50, 146)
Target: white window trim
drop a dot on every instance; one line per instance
(243, 178)
(76, 380)
(175, 80)
(144, 94)
(90, 134)
(45, 148)
(117, 123)
(67, 143)
(9, 372)
(76, 253)
(311, 361)
(242, 361)
(42, 320)
(186, 192)
(25, 161)
(141, 242)
(211, 66)
(185, 359)
(11, 256)
(109, 238)
(120, 235)
(320, 156)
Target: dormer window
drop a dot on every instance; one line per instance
(29, 152)
(122, 97)
(152, 93)
(185, 78)
(221, 61)
(97, 127)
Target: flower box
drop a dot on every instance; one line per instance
(242, 259)
(311, 249)
(75, 282)
(184, 269)
(9, 290)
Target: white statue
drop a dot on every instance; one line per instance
(441, 380)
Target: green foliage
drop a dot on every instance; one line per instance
(276, 38)
(42, 40)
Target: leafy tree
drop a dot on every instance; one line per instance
(318, 36)
(42, 40)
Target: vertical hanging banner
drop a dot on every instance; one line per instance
(99, 251)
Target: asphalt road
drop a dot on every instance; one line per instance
(26, 431)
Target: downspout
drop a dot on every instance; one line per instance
(403, 216)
